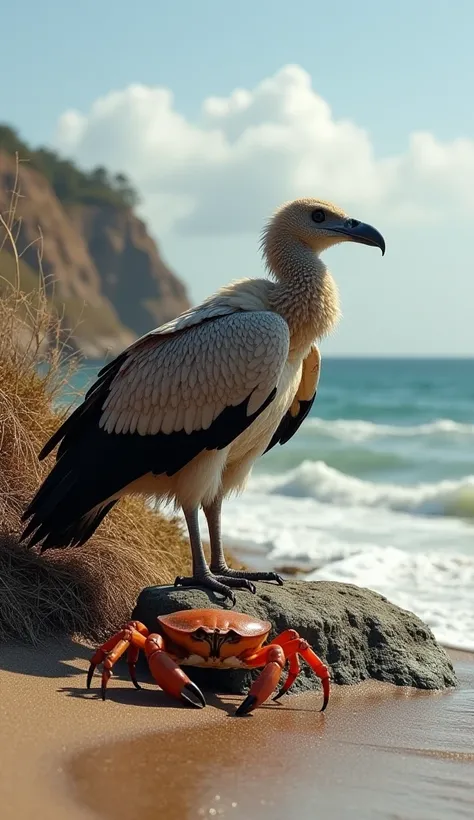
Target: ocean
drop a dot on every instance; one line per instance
(376, 489)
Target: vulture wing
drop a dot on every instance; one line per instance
(153, 409)
(303, 401)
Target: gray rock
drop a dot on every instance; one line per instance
(357, 632)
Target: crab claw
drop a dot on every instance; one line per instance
(170, 676)
(266, 682)
(193, 695)
(247, 705)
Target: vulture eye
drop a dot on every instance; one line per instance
(318, 215)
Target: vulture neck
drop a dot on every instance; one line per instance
(305, 294)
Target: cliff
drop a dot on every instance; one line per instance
(133, 274)
(103, 272)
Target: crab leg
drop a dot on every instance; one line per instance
(273, 657)
(294, 664)
(165, 671)
(132, 658)
(301, 647)
(293, 673)
(284, 637)
(133, 635)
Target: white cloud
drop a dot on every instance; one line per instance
(254, 149)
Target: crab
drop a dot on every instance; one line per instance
(210, 638)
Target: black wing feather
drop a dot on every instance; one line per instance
(290, 424)
(93, 465)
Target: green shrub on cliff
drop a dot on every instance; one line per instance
(70, 184)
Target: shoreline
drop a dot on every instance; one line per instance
(85, 759)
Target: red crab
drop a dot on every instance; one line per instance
(210, 638)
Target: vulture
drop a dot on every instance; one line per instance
(182, 414)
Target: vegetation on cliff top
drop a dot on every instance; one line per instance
(70, 184)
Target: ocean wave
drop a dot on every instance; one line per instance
(327, 485)
(387, 566)
(421, 564)
(436, 586)
(360, 430)
(356, 460)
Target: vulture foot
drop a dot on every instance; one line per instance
(228, 576)
(213, 583)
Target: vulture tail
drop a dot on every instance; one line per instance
(70, 503)
(74, 535)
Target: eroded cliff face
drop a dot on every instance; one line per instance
(103, 272)
(134, 276)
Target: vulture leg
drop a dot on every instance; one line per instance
(202, 576)
(219, 566)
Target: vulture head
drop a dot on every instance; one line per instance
(316, 225)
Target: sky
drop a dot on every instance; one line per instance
(220, 112)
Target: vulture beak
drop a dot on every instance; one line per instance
(357, 231)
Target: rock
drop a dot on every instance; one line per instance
(356, 631)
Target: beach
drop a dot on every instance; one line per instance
(381, 496)
(379, 751)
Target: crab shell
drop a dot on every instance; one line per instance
(213, 637)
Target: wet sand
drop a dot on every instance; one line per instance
(378, 752)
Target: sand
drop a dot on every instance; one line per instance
(378, 752)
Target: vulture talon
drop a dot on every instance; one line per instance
(228, 576)
(237, 583)
(208, 582)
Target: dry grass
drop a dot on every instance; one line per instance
(90, 590)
